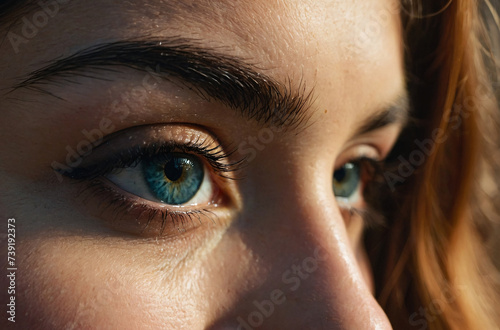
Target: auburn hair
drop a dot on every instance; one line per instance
(431, 265)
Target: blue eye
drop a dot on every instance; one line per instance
(346, 181)
(174, 180)
(171, 178)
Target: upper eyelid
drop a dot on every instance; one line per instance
(357, 152)
(137, 135)
(132, 158)
(376, 140)
(169, 138)
(395, 112)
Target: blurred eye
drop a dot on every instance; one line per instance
(347, 182)
(173, 178)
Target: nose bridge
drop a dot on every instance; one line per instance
(315, 280)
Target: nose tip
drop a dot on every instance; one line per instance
(312, 295)
(342, 286)
(349, 307)
(368, 315)
(301, 314)
(334, 293)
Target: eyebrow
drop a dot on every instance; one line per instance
(208, 73)
(205, 71)
(396, 112)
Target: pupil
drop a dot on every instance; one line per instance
(339, 174)
(174, 169)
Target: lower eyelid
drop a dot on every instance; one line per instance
(130, 214)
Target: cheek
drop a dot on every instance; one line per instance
(72, 273)
(74, 283)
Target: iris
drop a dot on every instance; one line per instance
(346, 180)
(175, 179)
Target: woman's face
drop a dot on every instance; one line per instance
(210, 180)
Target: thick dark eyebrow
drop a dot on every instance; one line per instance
(397, 112)
(207, 72)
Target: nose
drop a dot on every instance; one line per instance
(311, 276)
(323, 286)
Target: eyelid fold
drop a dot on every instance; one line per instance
(127, 148)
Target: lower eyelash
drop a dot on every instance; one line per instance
(146, 217)
(371, 217)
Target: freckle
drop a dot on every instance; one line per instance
(326, 111)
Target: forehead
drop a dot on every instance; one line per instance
(267, 28)
(338, 47)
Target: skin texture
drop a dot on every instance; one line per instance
(75, 270)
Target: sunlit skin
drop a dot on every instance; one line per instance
(76, 265)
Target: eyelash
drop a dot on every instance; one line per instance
(133, 156)
(100, 188)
